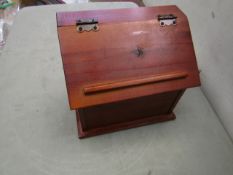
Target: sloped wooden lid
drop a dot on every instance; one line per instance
(130, 56)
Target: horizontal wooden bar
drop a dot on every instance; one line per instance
(95, 88)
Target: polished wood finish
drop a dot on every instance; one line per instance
(106, 56)
(127, 110)
(127, 114)
(120, 15)
(133, 82)
(138, 2)
(130, 57)
(120, 126)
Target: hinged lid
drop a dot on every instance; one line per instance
(132, 54)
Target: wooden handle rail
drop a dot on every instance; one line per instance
(134, 82)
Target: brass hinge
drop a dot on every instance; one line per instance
(87, 25)
(167, 20)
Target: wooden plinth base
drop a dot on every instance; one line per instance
(121, 126)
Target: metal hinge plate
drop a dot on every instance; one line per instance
(87, 25)
(167, 20)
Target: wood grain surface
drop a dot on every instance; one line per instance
(95, 88)
(130, 44)
(120, 126)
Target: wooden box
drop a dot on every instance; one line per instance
(126, 67)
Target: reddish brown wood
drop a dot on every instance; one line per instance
(121, 126)
(179, 95)
(138, 2)
(111, 55)
(126, 114)
(131, 57)
(127, 110)
(133, 82)
(118, 15)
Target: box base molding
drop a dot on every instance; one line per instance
(121, 126)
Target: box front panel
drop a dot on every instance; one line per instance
(129, 110)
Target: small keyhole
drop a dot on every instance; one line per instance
(139, 52)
